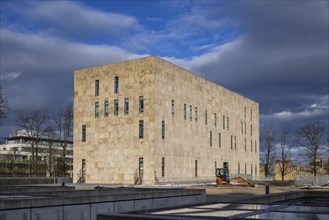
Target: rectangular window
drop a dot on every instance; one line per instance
(255, 169)
(228, 123)
(251, 170)
(141, 129)
(241, 127)
(210, 138)
(245, 128)
(250, 114)
(245, 168)
(190, 112)
(251, 145)
(96, 109)
(255, 147)
(141, 167)
(106, 108)
(126, 106)
(97, 87)
(163, 167)
(231, 142)
(238, 168)
(172, 108)
(196, 114)
(163, 130)
(184, 111)
(196, 168)
(219, 140)
(245, 112)
(223, 122)
(141, 104)
(234, 142)
(205, 117)
(116, 84)
(215, 120)
(245, 144)
(116, 107)
(250, 130)
(83, 133)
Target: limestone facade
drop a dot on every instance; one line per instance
(190, 125)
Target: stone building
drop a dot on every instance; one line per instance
(148, 120)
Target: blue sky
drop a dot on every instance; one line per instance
(274, 52)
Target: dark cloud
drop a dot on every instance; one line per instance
(280, 61)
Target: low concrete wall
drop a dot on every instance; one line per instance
(66, 206)
(33, 180)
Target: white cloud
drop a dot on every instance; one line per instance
(11, 75)
(312, 111)
(72, 18)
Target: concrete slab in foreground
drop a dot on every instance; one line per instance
(65, 203)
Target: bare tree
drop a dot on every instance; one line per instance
(326, 151)
(49, 156)
(311, 136)
(64, 132)
(284, 155)
(268, 136)
(3, 106)
(13, 159)
(34, 125)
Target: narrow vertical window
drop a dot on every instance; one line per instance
(245, 144)
(245, 112)
(141, 104)
(228, 123)
(96, 109)
(255, 147)
(238, 168)
(219, 140)
(234, 142)
(245, 168)
(116, 107)
(116, 84)
(106, 108)
(163, 167)
(231, 142)
(190, 112)
(126, 106)
(83, 133)
(241, 127)
(251, 170)
(172, 108)
(250, 114)
(215, 120)
(245, 128)
(141, 129)
(141, 167)
(255, 169)
(205, 117)
(97, 87)
(210, 138)
(251, 145)
(250, 130)
(184, 111)
(163, 130)
(223, 122)
(196, 114)
(196, 168)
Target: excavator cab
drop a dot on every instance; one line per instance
(222, 175)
